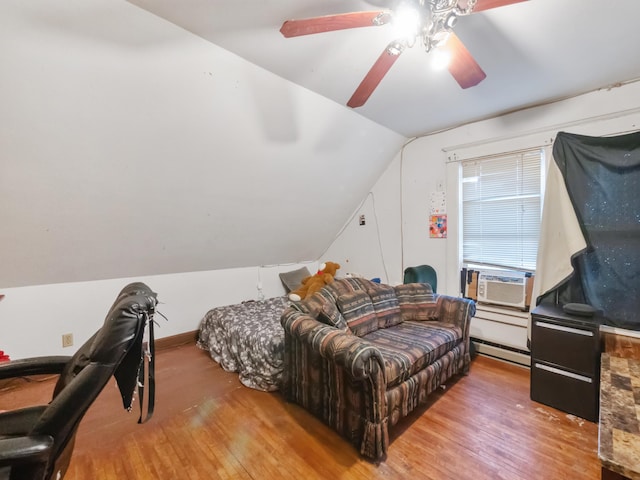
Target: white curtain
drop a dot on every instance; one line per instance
(560, 236)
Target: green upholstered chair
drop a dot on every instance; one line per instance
(422, 274)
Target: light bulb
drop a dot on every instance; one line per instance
(406, 22)
(440, 59)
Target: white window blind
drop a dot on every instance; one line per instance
(501, 206)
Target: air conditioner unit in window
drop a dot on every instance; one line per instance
(498, 288)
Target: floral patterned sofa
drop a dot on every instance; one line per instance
(360, 355)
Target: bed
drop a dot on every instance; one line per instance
(247, 338)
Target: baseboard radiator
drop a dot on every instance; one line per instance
(502, 352)
(501, 333)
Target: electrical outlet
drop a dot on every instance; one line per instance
(67, 340)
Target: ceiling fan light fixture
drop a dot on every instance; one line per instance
(430, 21)
(440, 38)
(440, 59)
(451, 21)
(406, 22)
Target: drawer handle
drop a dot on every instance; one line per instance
(563, 373)
(553, 326)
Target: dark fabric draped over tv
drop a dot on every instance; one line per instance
(602, 177)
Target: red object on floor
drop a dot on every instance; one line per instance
(3, 357)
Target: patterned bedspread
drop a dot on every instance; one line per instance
(247, 338)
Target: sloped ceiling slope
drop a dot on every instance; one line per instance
(533, 52)
(130, 146)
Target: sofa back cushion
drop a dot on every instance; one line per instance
(358, 311)
(417, 301)
(386, 305)
(322, 307)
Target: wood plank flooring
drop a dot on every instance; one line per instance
(208, 426)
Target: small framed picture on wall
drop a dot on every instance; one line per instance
(438, 226)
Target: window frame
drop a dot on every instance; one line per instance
(453, 157)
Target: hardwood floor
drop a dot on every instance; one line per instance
(208, 426)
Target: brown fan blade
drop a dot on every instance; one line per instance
(462, 66)
(329, 23)
(375, 74)
(489, 4)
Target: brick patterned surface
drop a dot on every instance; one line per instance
(619, 430)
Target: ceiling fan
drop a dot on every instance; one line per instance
(429, 21)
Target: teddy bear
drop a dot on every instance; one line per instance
(313, 283)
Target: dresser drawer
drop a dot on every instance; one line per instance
(564, 390)
(572, 348)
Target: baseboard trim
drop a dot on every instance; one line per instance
(176, 340)
(160, 344)
(513, 356)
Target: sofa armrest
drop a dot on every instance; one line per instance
(456, 311)
(355, 355)
(338, 377)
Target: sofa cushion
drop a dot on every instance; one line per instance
(332, 316)
(411, 346)
(417, 301)
(385, 303)
(322, 307)
(357, 310)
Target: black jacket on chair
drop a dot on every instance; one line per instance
(37, 442)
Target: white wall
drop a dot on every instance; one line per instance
(129, 146)
(131, 149)
(422, 167)
(368, 250)
(33, 319)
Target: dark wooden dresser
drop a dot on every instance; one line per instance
(565, 361)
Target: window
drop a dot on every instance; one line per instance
(501, 207)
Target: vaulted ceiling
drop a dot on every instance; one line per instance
(130, 146)
(533, 52)
(190, 135)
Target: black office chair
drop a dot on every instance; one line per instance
(422, 274)
(36, 443)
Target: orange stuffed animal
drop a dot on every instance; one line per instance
(313, 283)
